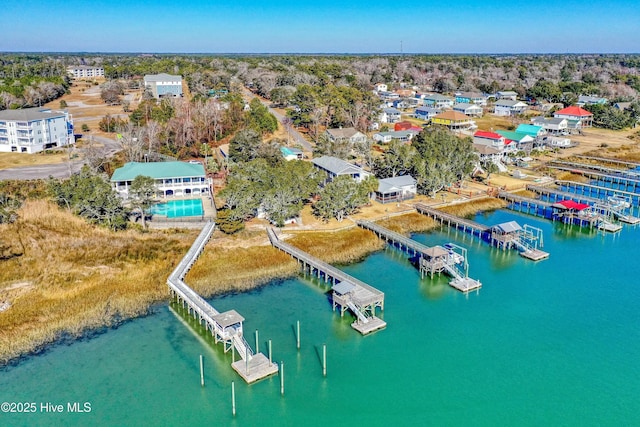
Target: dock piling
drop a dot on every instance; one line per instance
(201, 371)
(281, 378)
(324, 360)
(298, 334)
(270, 352)
(257, 342)
(233, 398)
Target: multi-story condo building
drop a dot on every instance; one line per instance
(163, 85)
(171, 178)
(32, 130)
(85, 71)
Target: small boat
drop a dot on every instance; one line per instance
(618, 202)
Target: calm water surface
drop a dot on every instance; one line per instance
(550, 343)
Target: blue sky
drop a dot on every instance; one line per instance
(355, 26)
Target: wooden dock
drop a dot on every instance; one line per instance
(598, 191)
(490, 234)
(621, 183)
(431, 259)
(225, 327)
(626, 172)
(348, 293)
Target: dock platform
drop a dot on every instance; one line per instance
(255, 369)
(431, 259)
(348, 293)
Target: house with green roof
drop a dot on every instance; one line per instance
(533, 131)
(172, 179)
(516, 140)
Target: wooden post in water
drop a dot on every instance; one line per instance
(233, 353)
(298, 334)
(281, 378)
(257, 343)
(201, 371)
(269, 352)
(233, 398)
(324, 360)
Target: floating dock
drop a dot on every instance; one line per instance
(225, 327)
(450, 259)
(505, 236)
(348, 293)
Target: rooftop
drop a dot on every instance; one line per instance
(157, 170)
(336, 166)
(162, 77)
(573, 111)
(396, 183)
(30, 114)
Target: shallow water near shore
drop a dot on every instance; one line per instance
(549, 343)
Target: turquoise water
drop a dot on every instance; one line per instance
(550, 343)
(178, 208)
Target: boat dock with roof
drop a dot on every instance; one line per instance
(225, 327)
(451, 259)
(526, 240)
(348, 293)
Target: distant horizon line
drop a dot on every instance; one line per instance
(315, 53)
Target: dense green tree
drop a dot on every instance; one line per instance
(8, 208)
(228, 223)
(244, 146)
(341, 197)
(90, 196)
(609, 117)
(398, 159)
(260, 119)
(142, 193)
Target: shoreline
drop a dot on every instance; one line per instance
(345, 246)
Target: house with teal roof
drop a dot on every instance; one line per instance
(531, 130)
(172, 179)
(516, 140)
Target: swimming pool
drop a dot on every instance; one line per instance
(178, 208)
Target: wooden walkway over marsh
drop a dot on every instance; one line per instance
(431, 259)
(225, 327)
(348, 293)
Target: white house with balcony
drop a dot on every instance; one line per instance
(31, 130)
(172, 179)
(164, 85)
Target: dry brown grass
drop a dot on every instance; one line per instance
(473, 207)
(568, 176)
(14, 160)
(73, 277)
(409, 223)
(340, 247)
(222, 269)
(489, 122)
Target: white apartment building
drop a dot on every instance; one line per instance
(31, 130)
(163, 85)
(85, 71)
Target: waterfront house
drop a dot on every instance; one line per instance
(390, 115)
(591, 100)
(507, 94)
(170, 178)
(350, 135)
(291, 153)
(31, 130)
(396, 189)
(490, 139)
(471, 110)
(401, 135)
(426, 113)
(577, 118)
(436, 100)
(552, 125)
(454, 121)
(471, 98)
(334, 167)
(533, 131)
(515, 141)
(507, 107)
(163, 85)
(488, 153)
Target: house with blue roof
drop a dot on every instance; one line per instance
(437, 101)
(171, 179)
(471, 98)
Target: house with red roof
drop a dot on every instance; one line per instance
(577, 117)
(490, 139)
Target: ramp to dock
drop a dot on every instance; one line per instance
(347, 292)
(448, 263)
(225, 327)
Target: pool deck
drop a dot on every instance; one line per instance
(209, 212)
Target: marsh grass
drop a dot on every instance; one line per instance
(220, 270)
(568, 176)
(409, 223)
(73, 277)
(341, 247)
(471, 208)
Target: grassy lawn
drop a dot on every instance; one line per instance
(11, 160)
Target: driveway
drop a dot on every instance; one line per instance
(60, 170)
(297, 136)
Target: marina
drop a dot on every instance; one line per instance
(348, 293)
(225, 327)
(598, 192)
(615, 182)
(525, 240)
(451, 259)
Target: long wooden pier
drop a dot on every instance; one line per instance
(628, 164)
(348, 293)
(225, 327)
(436, 259)
(598, 191)
(597, 168)
(617, 182)
(519, 239)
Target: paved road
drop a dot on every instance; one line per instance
(297, 136)
(59, 170)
